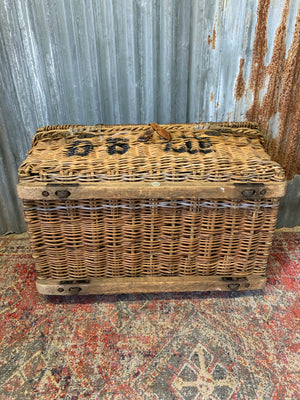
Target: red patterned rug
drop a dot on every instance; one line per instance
(187, 346)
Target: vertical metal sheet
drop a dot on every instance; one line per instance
(134, 61)
(289, 210)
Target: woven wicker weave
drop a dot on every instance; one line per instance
(194, 235)
(201, 152)
(97, 238)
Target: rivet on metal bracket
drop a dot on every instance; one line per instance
(248, 193)
(234, 286)
(62, 194)
(74, 290)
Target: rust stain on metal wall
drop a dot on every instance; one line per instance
(289, 110)
(240, 85)
(260, 47)
(212, 39)
(211, 96)
(282, 91)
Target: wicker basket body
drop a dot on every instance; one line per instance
(134, 208)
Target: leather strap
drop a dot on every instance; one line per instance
(161, 131)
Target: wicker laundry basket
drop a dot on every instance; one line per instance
(150, 208)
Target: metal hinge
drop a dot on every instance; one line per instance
(235, 283)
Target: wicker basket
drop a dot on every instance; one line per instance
(148, 208)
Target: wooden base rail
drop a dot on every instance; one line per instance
(149, 285)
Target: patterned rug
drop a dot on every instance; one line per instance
(185, 346)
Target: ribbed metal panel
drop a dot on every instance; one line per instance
(130, 61)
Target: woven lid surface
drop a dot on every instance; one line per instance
(216, 152)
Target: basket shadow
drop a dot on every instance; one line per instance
(94, 299)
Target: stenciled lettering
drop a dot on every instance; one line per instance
(117, 145)
(80, 148)
(204, 146)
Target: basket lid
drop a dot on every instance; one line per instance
(211, 152)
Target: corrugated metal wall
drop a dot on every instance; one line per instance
(133, 61)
